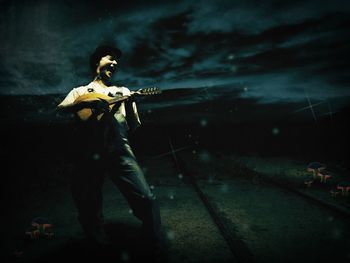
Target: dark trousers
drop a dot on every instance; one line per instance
(115, 158)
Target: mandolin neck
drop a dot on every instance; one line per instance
(140, 92)
(115, 100)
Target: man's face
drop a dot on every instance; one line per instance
(106, 67)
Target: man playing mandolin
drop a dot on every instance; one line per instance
(105, 148)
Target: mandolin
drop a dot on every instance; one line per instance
(88, 113)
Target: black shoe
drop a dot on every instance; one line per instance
(157, 253)
(154, 246)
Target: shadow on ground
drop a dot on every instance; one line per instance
(126, 245)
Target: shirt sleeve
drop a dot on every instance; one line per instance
(70, 98)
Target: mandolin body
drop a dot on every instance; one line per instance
(86, 113)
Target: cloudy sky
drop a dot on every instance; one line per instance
(270, 50)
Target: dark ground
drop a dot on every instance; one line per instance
(227, 155)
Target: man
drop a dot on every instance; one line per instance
(104, 147)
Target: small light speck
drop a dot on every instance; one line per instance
(130, 211)
(96, 157)
(336, 233)
(194, 152)
(245, 88)
(231, 57)
(180, 176)
(171, 197)
(124, 256)
(224, 188)
(204, 123)
(149, 111)
(170, 235)
(152, 187)
(245, 226)
(204, 156)
(275, 131)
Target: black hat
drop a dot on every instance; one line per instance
(102, 51)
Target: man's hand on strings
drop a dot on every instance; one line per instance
(99, 105)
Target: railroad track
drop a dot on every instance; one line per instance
(338, 210)
(237, 246)
(342, 210)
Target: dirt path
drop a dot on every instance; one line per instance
(273, 224)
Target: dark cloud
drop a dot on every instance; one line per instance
(276, 50)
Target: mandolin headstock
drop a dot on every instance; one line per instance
(148, 91)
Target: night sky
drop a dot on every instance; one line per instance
(272, 51)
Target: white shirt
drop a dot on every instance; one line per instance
(108, 91)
